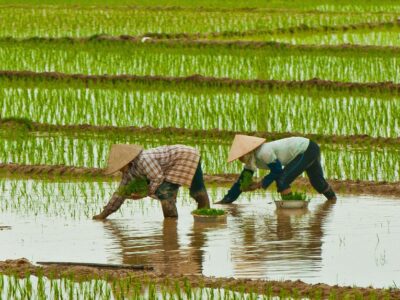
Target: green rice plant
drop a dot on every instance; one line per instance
(295, 195)
(78, 21)
(208, 5)
(197, 107)
(209, 212)
(246, 181)
(175, 59)
(363, 162)
(137, 186)
(377, 37)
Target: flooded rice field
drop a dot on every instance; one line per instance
(351, 242)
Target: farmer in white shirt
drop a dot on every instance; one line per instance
(286, 159)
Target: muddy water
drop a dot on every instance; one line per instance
(354, 241)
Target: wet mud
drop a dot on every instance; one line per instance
(303, 28)
(21, 267)
(208, 81)
(35, 127)
(352, 49)
(156, 8)
(341, 186)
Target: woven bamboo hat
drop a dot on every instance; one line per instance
(120, 156)
(243, 144)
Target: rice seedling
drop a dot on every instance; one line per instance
(246, 181)
(75, 200)
(188, 106)
(135, 186)
(368, 162)
(377, 37)
(327, 5)
(50, 21)
(208, 212)
(293, 196)
(177, 59)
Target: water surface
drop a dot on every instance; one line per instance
(351, 242)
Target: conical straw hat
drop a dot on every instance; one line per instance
(120, 156)
(243, 144)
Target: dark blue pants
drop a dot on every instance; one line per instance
(310, 162)
(168, 189)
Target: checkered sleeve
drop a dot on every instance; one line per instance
(154, 173)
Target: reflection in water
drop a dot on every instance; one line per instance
(162, 248)
(256, 242)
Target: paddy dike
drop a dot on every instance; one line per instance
(60, 171)
(207, 81)
(35, 127)
(22, 267)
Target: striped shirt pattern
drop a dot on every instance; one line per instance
(176, 164)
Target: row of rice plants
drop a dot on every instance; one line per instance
(136, 288)
(377, 6)
(53, 21)
(196, 107)
(377, 37)
(363, 163)
(77, 200)
(362, 36)
(174, 59)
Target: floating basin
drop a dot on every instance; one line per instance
(209, 218)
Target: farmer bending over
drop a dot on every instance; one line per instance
(286, 159)
(166, 168)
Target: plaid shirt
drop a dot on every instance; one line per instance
(176, 164)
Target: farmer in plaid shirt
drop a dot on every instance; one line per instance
(166, 168)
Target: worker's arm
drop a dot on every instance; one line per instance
(116, 200)
(276, 171)
(113, 205)
(235, 190)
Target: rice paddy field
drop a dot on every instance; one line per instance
(77, 77)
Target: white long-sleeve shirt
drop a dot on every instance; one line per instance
(284, 150)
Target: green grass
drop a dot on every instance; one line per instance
(208, 212)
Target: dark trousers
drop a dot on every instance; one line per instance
(169, 190)
(310, 162)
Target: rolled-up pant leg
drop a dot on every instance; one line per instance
(198, 189)
(167, 193)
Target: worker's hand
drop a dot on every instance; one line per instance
(253, 186)
(286, 191)
(100, 216)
